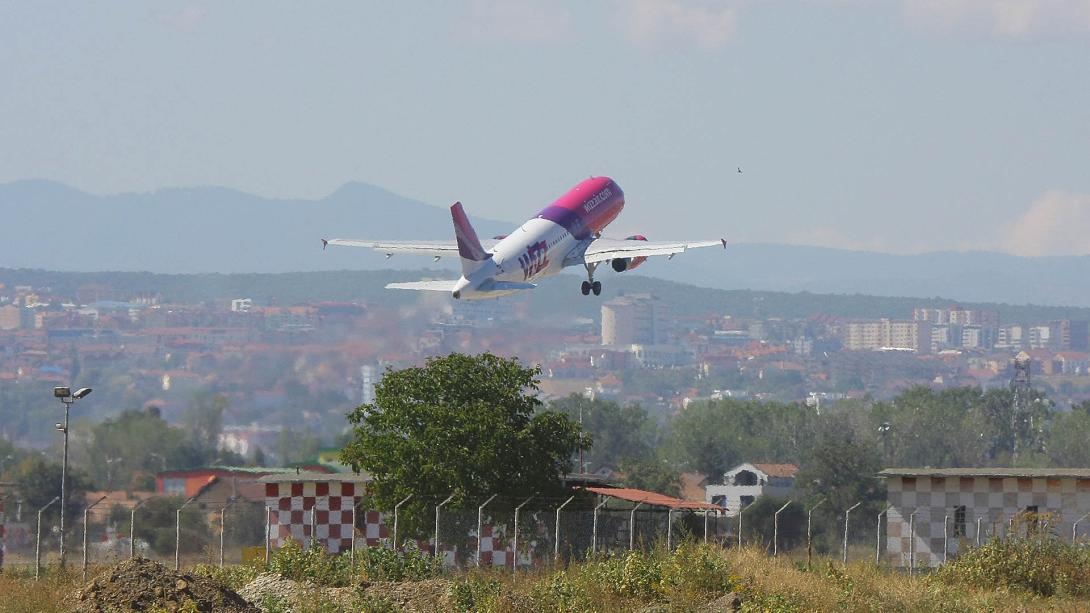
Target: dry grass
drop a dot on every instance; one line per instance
(20, 593)
(682, 581)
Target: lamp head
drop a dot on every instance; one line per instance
(82, 392)
(62, 392)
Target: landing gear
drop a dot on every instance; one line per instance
(590, 285)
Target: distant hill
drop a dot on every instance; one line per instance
(48, 225)
(557, 300)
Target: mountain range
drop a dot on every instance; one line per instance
(48, 225)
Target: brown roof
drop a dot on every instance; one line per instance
(778, 470)
(651, 498)
(1083, 473)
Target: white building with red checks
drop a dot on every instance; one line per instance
(308, 506)
(936, 512)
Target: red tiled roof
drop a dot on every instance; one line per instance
(651, 498)
(778, 470)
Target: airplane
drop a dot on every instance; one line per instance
(566, 233)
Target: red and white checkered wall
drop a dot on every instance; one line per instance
(292, 505)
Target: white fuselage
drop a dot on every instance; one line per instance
(535, 250)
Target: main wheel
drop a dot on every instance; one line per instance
(596, 287)
(585, 288)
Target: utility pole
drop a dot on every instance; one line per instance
(67, 397)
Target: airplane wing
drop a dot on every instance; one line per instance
(603, 249)
(432, 248)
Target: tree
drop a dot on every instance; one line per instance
(711, 437)
(134, 445)
(156, 524)
(203, 420)
(759, 523)
(1067, 446)
(467, 426)
(619, 432)
(296, 447)
(38, 481)
(650, 475)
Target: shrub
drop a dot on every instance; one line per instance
(1039, 564)
(691, 572)
(476, 593)
(412, 564)
(316, 565)
(234, 577)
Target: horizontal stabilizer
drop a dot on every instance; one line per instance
(502, 286)
(427, 286)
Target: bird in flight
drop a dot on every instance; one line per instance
(739, 170)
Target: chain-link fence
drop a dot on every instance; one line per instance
(501, 532)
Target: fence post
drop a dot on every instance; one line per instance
(594, 528)
(352, 551)
(556, 538)
(632, 526)
(38, 539)
(85, 511)
(978, 520)
(776, 530)
(437, 507)
(178, 534)
(397, 507)
(741, 510)
(222, 512)
(809, 524)
(515, 544)
(847, 515)
(878, 541)
(945, 536)
(480, 526)
(670, 529)
(912, 542)
(705, 526)
(132, 527)
(1075, 527)
(268, 533)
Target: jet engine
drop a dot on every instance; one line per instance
(623, 264)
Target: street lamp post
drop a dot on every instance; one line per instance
(67, 397)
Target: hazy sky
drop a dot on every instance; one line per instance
(901, 125)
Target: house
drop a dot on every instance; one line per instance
(936, 512)
(189, 482)
(743, 484)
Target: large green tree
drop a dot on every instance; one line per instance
(467, 426)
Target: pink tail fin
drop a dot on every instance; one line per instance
(469, 246)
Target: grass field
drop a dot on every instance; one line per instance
(1004, 576)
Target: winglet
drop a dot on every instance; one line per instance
(325, 244)
(724, 241)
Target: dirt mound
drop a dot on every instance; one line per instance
(271, 592)
(427, 595)
(139, 584)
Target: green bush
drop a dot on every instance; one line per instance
(411, 564)
(476, 593)
(691, 572)
(1039, 564)
(233, 576)
(315, 564)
